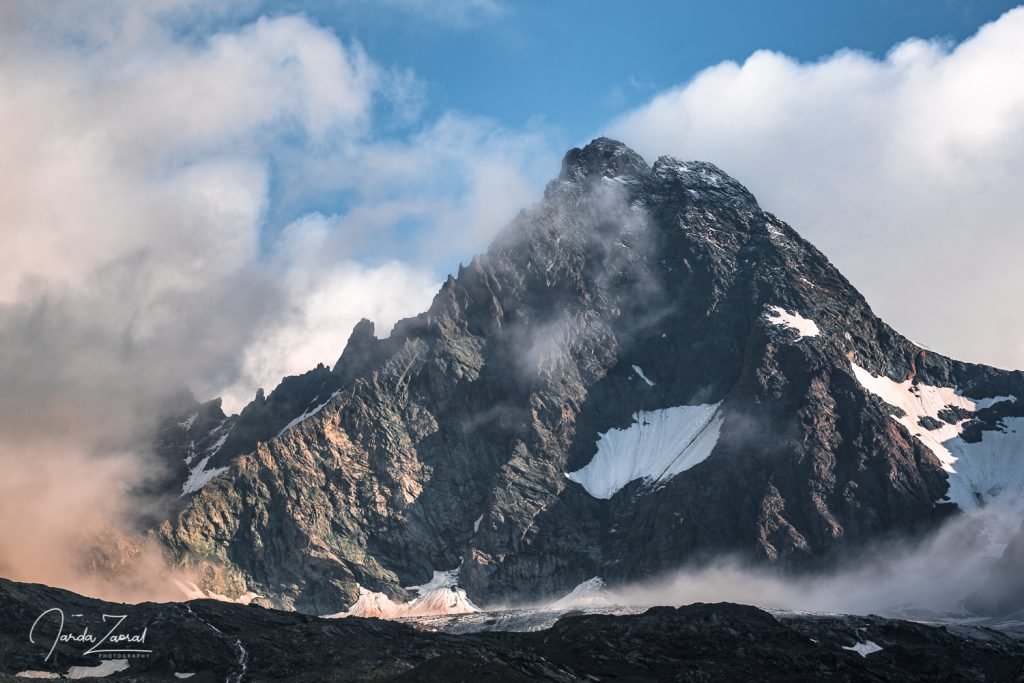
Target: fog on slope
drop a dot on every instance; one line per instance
(934, 575)
(619, 241)
(66, 521)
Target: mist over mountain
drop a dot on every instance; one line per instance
(645, 373)
(649, 399)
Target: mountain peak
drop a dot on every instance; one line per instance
(602, 157)
(700, 178)
(644, 371)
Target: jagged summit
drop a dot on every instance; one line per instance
(602, 158)
(644, 371)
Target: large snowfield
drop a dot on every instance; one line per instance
(656, 447)
(991, 470)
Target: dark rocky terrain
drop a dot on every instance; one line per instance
(629, 288)
(216, 641)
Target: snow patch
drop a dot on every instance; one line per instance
(371, 604)
(804, 327)
(864, 649)
(441, 595)
(438, 580)
(107, 667)
(433, 602)
(448, 600)
(978, 472)
(186, 424)
(640, 372)
(656, 447)
(309, 413)
(178, 674)
(591, 593)
(194, 592)
(476, 524)
(36, 674)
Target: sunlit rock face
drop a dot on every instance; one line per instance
(644, 371)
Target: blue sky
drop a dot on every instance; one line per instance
(575, 64)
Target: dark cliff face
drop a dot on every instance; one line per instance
(661, 300)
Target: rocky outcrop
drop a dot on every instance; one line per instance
(214, 641)
(188, 433)
(196, 441)
(628, 292)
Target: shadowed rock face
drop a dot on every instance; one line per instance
(448, 443)
(215, 641)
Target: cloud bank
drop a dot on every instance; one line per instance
(904, 170)
(932, 578)
(193, 198)
(163, 182)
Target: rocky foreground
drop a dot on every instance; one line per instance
(206, 640)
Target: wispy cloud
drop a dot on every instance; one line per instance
(459, 13)
(144, 166)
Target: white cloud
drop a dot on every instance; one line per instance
(904, 170)
(140, 163)
(108, 154)
(459, 180)
(325, 306)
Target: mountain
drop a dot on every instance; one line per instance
(207, 641)
(644, 371)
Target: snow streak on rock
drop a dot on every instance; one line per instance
(308, 414)
(639, 371)
(198, 475)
